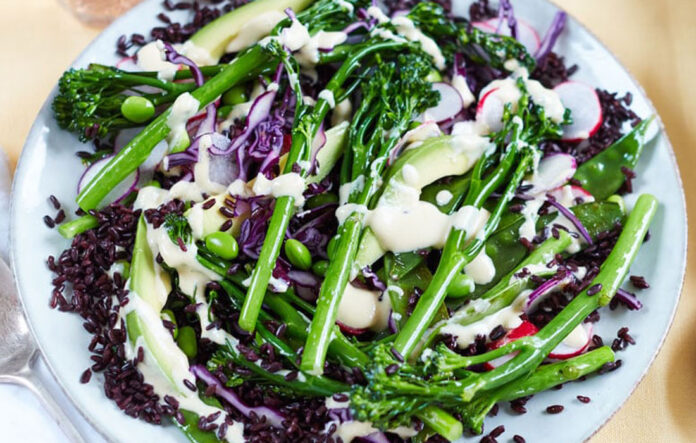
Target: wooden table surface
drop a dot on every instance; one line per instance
(656, 40)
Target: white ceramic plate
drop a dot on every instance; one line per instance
(49, 166)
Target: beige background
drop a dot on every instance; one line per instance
(655, 39)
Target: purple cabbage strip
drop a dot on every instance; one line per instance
(391, 323)
(567, 213)
(174, 57)
(274, 417)
(628, 299)
(507, 13)
(549, 40)
(546, 288)
(372, 280)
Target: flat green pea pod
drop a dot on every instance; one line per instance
(602, 175)
(506, 251)
(191, 431)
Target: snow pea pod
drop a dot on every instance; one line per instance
(602, 175)
(191, 431)
(506, 251)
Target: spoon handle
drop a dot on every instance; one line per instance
(30, 380)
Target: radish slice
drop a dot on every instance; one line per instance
(450, 103)
(586, 111)
(526, 34)
(120, 191)
(553, 171)
(525, 329)
(571, 195)
(575, 343)
(350, 331)
(127, 64)
(489, 110)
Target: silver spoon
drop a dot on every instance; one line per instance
(18, 353)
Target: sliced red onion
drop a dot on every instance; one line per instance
(258, 112)
(567, 213)
(372, 280)
(549, 40)
(318, 143)
(121, 191)
(273, 416)
(450, 103)
(506, 13)
(629, 299)
(546, 288)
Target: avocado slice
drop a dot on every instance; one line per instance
(216, 35)
(436, 158)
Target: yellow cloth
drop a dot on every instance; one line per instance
(656, 40)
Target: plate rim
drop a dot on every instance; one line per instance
(24, 160)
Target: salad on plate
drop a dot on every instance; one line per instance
(345, 220)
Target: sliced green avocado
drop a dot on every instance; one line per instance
(143, 320)
(216, 35)
(436, 158)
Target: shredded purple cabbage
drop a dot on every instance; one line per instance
(174, 57)
(567, 213)
(272, 416)
(506, 13)
(549, 40)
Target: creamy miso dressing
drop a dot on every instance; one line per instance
(184, 107)
(364, 309)
(577, 337)
(328, 96)
(481, 269)
(285, 185)
(151, 58)
(508, 317)
(459, 83)
(352, 429)
(306, 47)
(443, 197)
(342, 112)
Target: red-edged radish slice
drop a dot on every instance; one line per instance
(525, 329)
(586, 111)
(120, 191)
(575, 343)
(350, 331)
(554, 170)
(571, 195)
(450, 103)
(127, 64)
(526, 34)
(489, 110)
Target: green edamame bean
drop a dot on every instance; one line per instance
(434, 76)
(321, 199)
(222, 244)
(298, 254)
(461, 286)
(619, 201)
(169, 316)
(187, 341)
(320, 267)
(235, 95)
(331, 247)
(137, 109)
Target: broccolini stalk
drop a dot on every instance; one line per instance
(300, 150)
(521, 131)
(391, 100)
(543, 378)
(396, 390)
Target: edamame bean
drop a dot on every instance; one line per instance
(169, 316)
(434, 76)
(320, 267)
(235, 95)
(321, 200)
(331, 247)
(187, 341)
(298, 254)
(223, 245)
(137, 109)
(461, 286)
